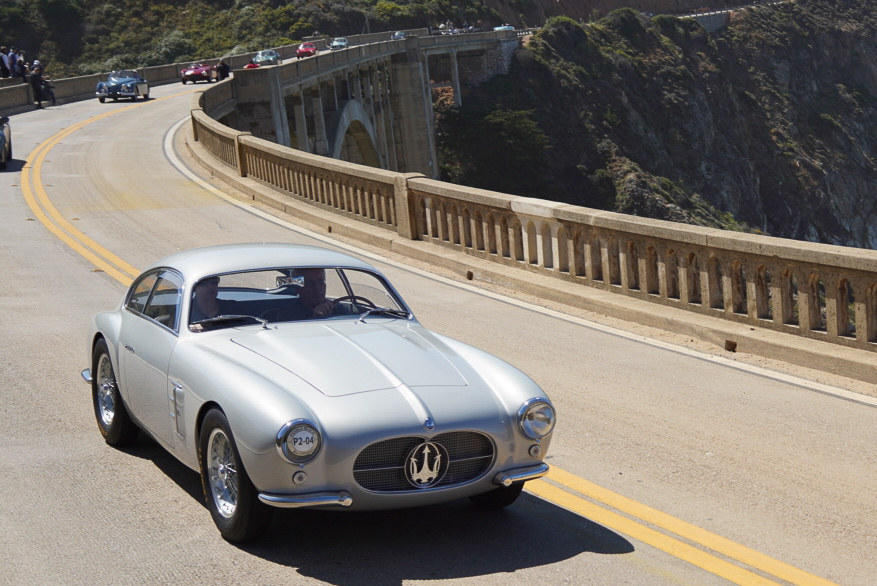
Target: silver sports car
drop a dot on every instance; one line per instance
(295, 376)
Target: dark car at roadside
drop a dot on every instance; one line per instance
(5, 141)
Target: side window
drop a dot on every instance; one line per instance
(140, 293)
(164, 306)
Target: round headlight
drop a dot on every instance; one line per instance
(298, 441)
(537, 418)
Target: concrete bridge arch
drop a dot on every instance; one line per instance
(354, 138)
(370, 104)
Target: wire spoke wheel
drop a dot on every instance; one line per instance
(229, 493)
(223, 474)
(106, 390)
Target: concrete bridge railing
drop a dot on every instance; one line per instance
(813, 290)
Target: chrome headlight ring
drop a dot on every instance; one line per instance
(536, 418)
(299, 441)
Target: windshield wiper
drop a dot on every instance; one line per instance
(221, 319)
(385, 311)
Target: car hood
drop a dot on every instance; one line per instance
(349, 357)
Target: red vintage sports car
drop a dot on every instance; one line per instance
(198, 72)
(306, 50)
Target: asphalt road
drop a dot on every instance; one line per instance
(671, 467)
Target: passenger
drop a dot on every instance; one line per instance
(311, 302)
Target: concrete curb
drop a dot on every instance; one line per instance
(822, 356)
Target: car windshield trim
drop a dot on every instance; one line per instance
(203, 324)
(384, 311)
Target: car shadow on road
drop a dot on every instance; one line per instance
(441, 542)
(13, 165)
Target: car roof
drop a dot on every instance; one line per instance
(197, 263)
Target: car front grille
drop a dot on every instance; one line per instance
(381, 466)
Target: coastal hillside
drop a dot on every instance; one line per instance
(768, 126)
(76, 37)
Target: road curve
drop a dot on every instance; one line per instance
(670, 467)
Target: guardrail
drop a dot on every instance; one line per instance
(813, 290)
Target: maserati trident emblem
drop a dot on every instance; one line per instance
(426, 465)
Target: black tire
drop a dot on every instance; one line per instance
(184, 81)
(498, 498)
(228, 492)
(102, 99)
(110, 412)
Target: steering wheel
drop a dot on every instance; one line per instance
(356, 300)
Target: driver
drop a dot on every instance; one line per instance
(311, 302)
(205, 303)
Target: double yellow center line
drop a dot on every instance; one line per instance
(567, 490)
(616, 512)
(38, 201)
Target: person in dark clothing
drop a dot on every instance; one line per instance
(206, 304)
(222, 69)
(36, 83)
(4, 61)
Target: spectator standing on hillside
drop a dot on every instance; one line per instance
(4, 61)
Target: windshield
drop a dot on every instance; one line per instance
(290, 295)
(122, 74)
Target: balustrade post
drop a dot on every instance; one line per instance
(834, 314)
(780, 295)
(866, 311)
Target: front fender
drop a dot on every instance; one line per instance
(255, 405)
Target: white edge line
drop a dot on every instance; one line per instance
(171, 155)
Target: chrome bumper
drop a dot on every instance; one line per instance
(317, 499)
(510, 477)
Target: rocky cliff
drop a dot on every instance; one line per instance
(769, 125)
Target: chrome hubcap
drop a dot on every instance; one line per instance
(106, 386)
(222, 473)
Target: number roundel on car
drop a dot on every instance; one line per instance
(426, 465)
(298, 441)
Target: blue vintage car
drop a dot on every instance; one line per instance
(122, 84)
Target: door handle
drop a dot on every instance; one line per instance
(129, 348)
